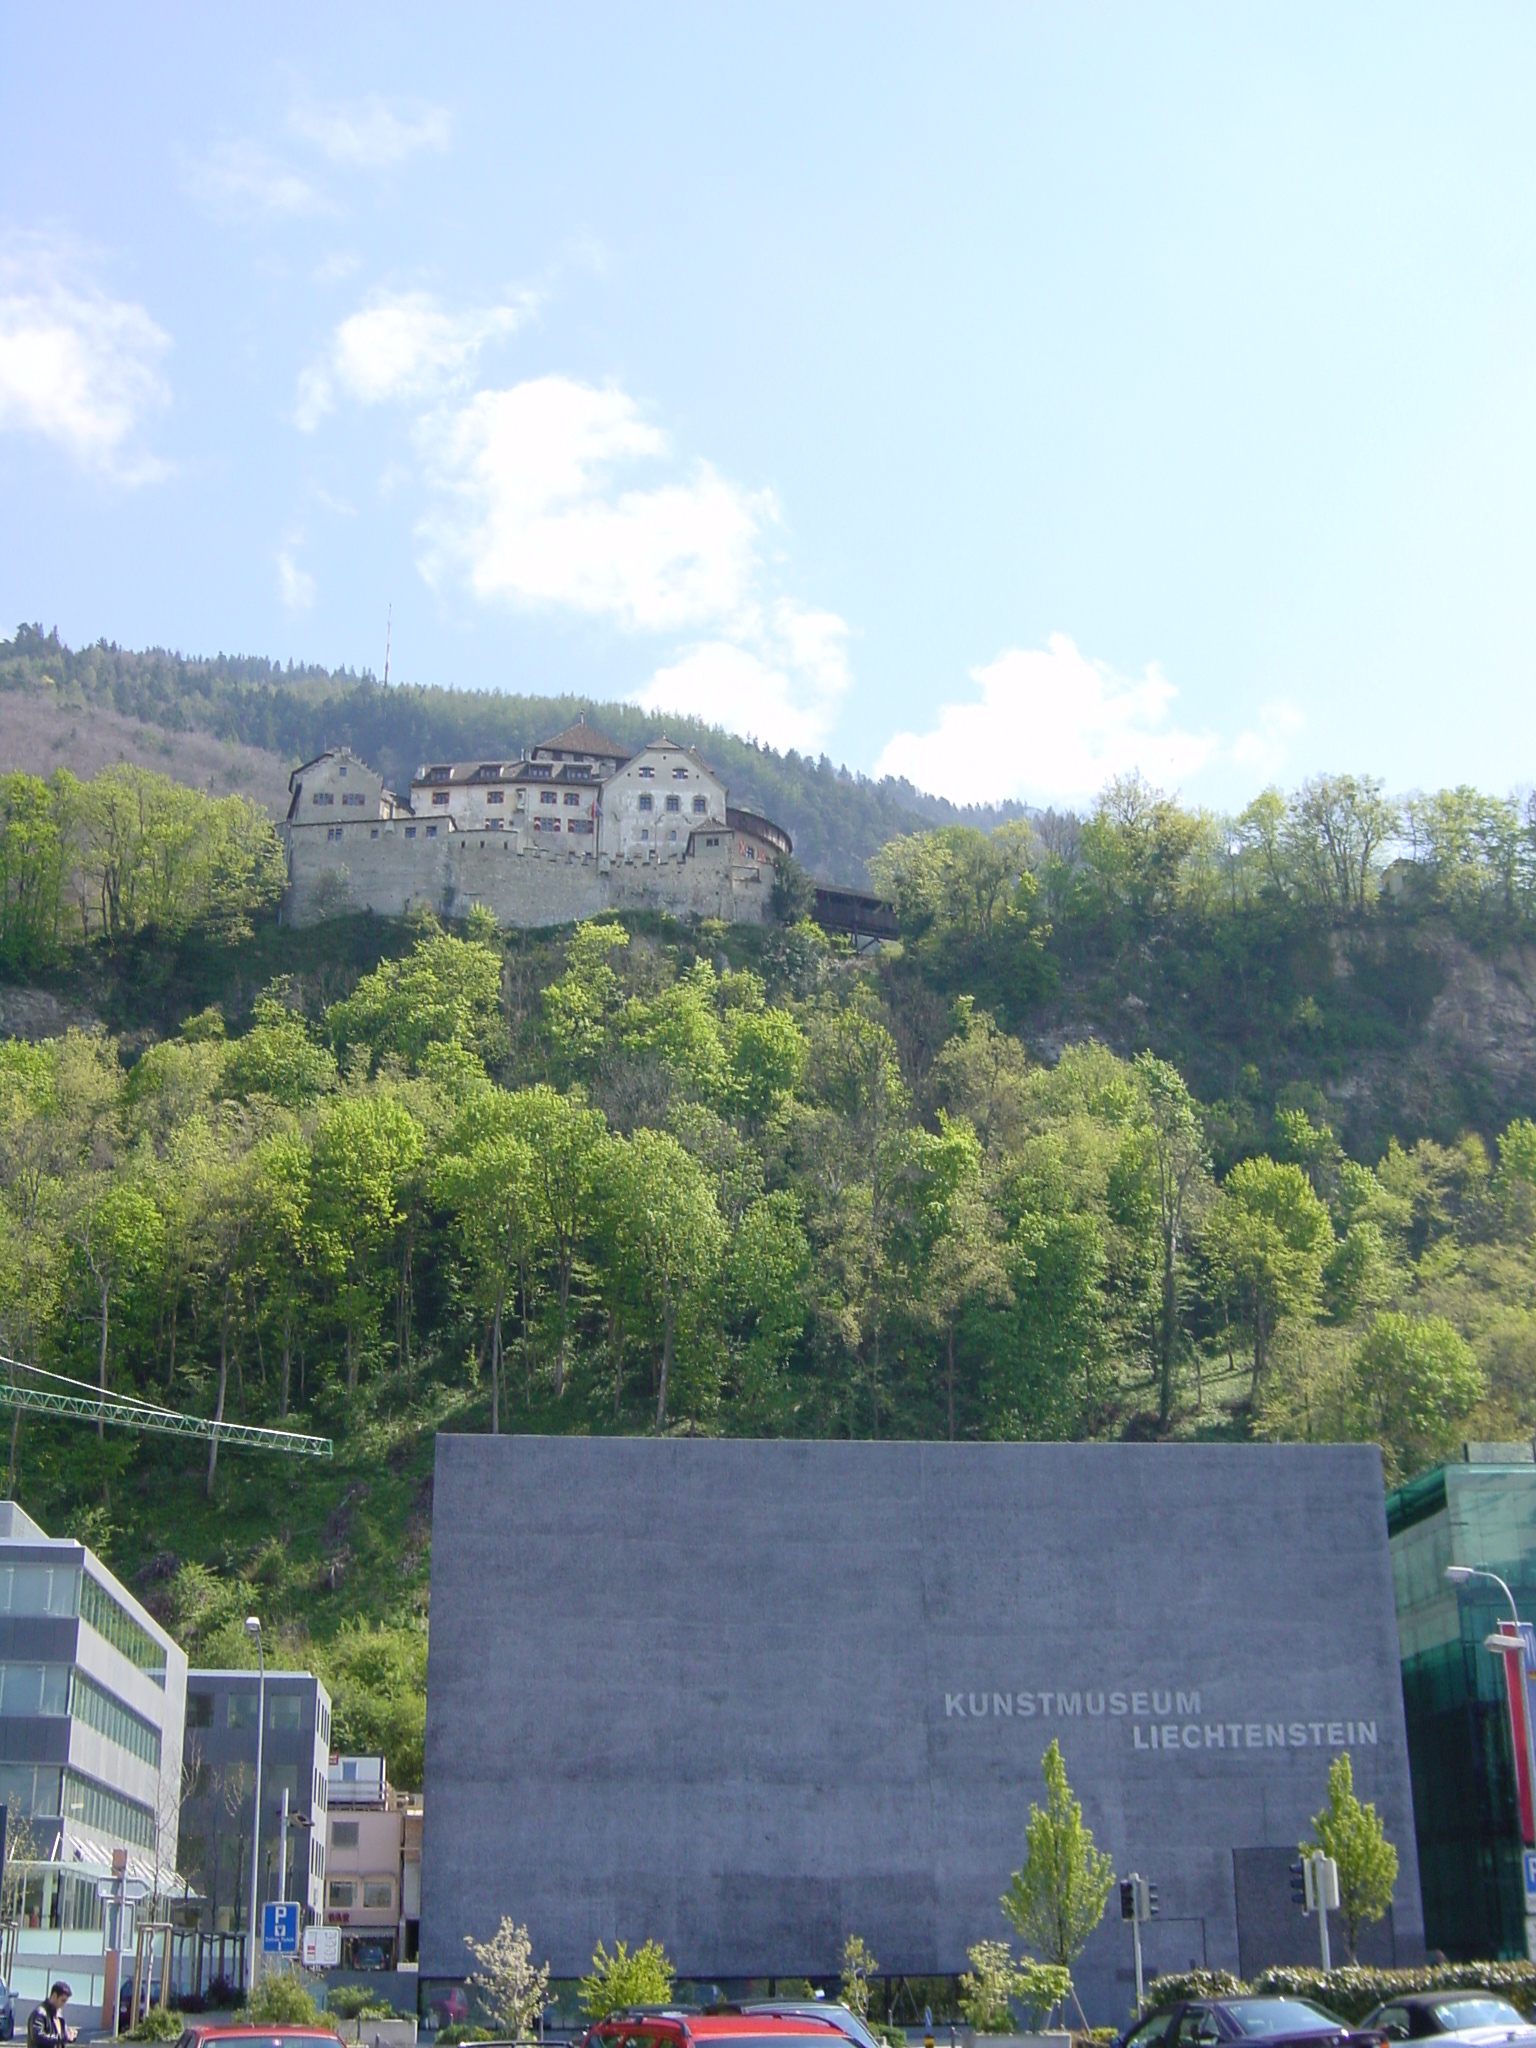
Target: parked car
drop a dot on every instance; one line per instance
(845, 2021)
(1278, 2022)
(1475, 2017)
(7, 2014)
(675, 2027)
(229, 2034)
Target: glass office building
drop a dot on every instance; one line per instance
(92, 1699)
(221, 1775)
(1481, 1511)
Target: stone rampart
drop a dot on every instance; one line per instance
(450, 873)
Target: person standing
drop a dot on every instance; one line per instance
(47, 2027)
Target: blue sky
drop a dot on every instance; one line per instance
(1004, 396)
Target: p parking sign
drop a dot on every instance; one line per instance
(1529, 1862)
(280, 1927)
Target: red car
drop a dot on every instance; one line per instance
(673, 2028)
(222, 2032)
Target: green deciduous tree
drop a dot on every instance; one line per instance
(1352, 1834)
(858, 1969)
(1266, 1241)
(621, 1979)
(1057, 1898)
(1413, 1382)
(670, 1229)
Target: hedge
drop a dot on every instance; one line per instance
(1354, 1991)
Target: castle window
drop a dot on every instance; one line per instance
(711, 842)
(322, 796)
(333, 831)
(645, 831)
(374, 832)
(410, 831)
(672, 835)
(342, 769)
(647, 802)
(674, 803)
(495, 796)
(354, 796)
(679, 774)
(431, 831)
(547, 796)
(571, 800)
(700, 805)
(646, 774)
(440, 796)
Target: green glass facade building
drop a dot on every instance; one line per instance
(1481, 1511)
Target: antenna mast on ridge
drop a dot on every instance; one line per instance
(389, 622)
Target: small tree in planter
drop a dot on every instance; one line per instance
(1056, 1899)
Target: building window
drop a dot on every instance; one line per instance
(109, 1717)
(410, 831)
(700, 805)
(354, 797)
(679, 774)
(117, 1627)
(199, 1709)
(37, 1589)
(285, 1712)
(646, 774)
(34, 1689)
(340, 1894)
(378, 1894)
(645, 832)
(374, 833)
(343, 1834)
(672, 836)
(547, 796)
(322, 796)
(571, 799)
(674, 803)
(647, 802)
(240, 1710)
(441, 796)
(431, 831)
(105, 1812)
(495, 796)
(333, 831)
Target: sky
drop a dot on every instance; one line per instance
(1008, 398)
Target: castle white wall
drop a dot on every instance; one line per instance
(393, 867)
(636, 818)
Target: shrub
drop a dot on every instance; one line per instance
(358, 2002)
(450, 2037)
(160, 2023)
(281, 2001)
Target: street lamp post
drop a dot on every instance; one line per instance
(1509, 1643)
(253, 1629)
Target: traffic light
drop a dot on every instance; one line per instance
(1127, 1898)
(1150, 1902)
(1300, 1888)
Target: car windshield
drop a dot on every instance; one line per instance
(1457, 2013)
(1259, 2016)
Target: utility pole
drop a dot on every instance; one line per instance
(253, 1921)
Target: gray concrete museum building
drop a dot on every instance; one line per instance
(752, 1697)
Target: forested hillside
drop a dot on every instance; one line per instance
(836, 819)
(1162, 1125)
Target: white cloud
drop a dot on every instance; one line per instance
(77, 366)
(1264, 751)
(785, 688)
(371, 133)
(295, 586)
(535, 510)
(239, 179)
(1050, 726)
(403, 346)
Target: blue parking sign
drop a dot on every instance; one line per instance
(280, 1928)
(1530, 1880)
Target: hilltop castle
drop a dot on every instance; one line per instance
(577, 827)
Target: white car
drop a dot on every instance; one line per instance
(1475, 2019)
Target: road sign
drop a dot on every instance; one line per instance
(280, 1927)
(322, 1948)
(1530, 1880)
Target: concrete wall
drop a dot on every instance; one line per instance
(749, 1698)
(374, 865)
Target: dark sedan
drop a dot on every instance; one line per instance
(1279, 2022)
(1477, 2017)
